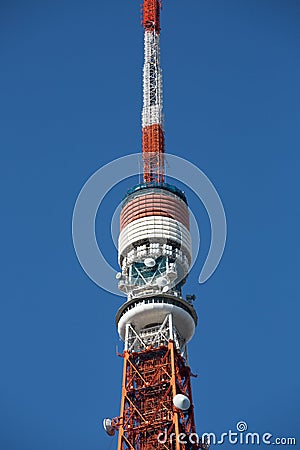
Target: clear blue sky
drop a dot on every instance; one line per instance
(70, 86)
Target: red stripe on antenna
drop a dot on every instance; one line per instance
(151, 15)
(153, 143)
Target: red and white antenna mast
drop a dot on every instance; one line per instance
(153, 142)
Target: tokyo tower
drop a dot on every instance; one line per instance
(155, 255)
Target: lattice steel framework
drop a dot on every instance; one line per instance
(155, 370)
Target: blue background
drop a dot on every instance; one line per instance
(70, 102)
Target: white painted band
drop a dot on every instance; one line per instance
(155, 229)
(152, 81)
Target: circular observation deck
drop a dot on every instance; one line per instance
(154, 224)
(142, 313)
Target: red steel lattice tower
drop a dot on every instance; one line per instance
(155, 256)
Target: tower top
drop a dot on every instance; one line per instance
(151, 15)
(155, 256)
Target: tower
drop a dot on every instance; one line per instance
(155, 254)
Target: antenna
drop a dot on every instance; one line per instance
(153, 140)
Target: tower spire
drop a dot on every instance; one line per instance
(153, 141)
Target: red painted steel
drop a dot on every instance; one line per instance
(153, 146)
(151, 379)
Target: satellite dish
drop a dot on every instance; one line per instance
(165, 289)
(181, 402)
(149, 262)
(108, 427)
(162, 281)
(118, 275)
